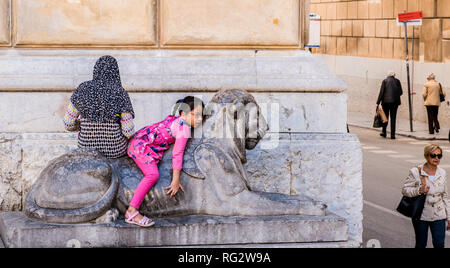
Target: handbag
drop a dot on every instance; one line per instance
(441, 93)
(378, 120)
(377, 123)
(412, 207)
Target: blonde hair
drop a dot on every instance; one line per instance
(430, 149)
(431, 76)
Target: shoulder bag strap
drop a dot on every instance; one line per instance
(422, 178)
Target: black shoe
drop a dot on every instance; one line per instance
(383, 135)
(392, 138)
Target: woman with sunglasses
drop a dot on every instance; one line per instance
(436, 211)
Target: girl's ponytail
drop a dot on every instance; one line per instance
(177, 106)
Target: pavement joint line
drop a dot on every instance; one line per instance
(371, 148)
(392, 212)
(384, 152)
(415, 161)
(419, 143)
(401, 156)
(404, 134)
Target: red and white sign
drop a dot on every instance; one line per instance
(404, 17)
(410, 18)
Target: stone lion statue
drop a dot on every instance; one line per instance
(214, 176)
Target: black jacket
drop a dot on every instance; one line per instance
(390, 91)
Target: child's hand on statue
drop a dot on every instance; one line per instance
(175, 186)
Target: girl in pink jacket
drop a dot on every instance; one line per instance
(147, 148)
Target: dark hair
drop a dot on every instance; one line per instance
(187, 104)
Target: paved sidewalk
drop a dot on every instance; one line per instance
(403, 129)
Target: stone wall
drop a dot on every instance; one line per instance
(367, 28)
(153, 23)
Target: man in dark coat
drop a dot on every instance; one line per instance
(389, 97)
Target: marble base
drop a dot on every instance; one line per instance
(18, 231)
(324, 167)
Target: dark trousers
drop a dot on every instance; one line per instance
(391, 112)
(433, 123)
(437, 233)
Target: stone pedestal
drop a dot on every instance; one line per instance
(307, 150)
(17, 231)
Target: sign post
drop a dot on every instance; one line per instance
(409, 19)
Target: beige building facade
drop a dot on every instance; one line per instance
(368, 28)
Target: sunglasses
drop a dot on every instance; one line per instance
(435, 155)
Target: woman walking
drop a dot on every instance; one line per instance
(431, 95)
(436, 211)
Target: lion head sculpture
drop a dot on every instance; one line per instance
(214, 176)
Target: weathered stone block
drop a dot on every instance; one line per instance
(443, 8)
(387, 48)
(399, 49)
(363, 9)
(331, 45)
(19, 232)
(219, 23)
(394, 29)
(342, 10)
(321, 9)
(446, 51)
(352, 46)
(352, 12)
(428, 7)
(336, 28)
(347, 28)
(340, 176)
(10, 172)
(369, 28)
(167, 70)
(375, 47)
(413, 6)
(341, 44)
(90, 22)
(430, 39)
(382, 28)
(358, 28)
(375, 9)
(400, 6)
(5, 32)
(331, 11)
(388, 9)
(446, 28)
(325, 28)
(363, 47)
(289, 111)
